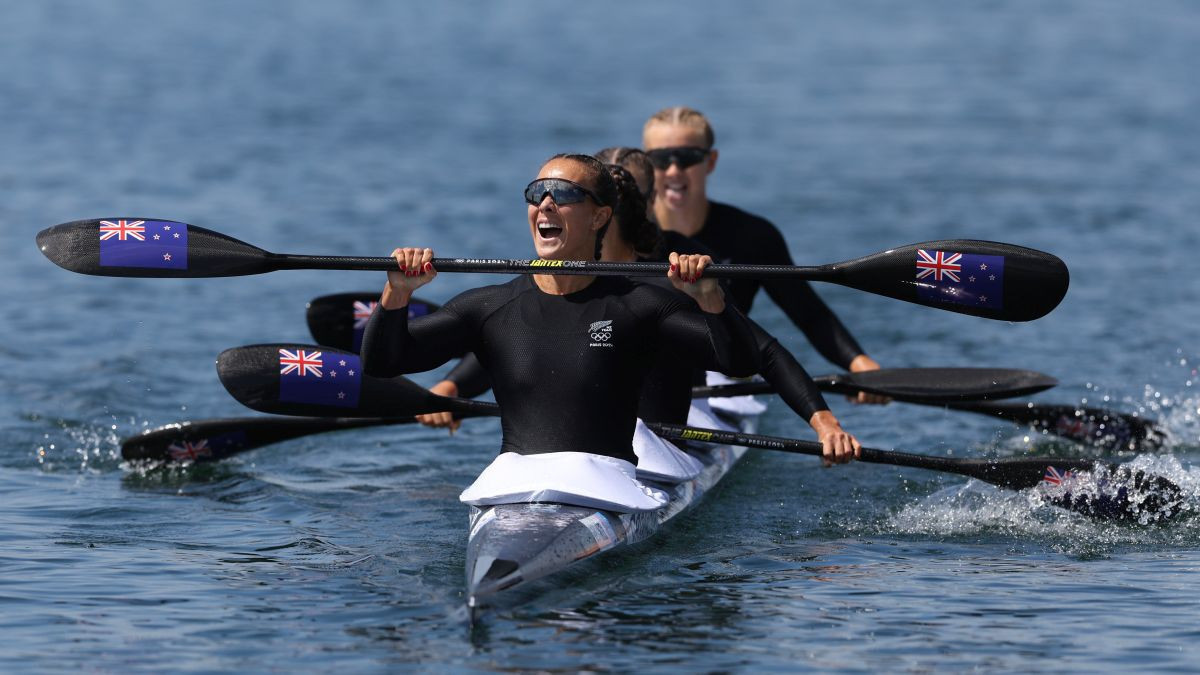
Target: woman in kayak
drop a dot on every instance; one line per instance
(679, 142)
(667, 395)
(566, 355)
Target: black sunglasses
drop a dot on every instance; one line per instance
(561, 190)
(684, 156)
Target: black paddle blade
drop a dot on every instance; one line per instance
(928, 386)
(145, 247)
(214, 440)
(1097, 427)
(982, 278)
(1117, 493)
(304, 380)
(1096, 489)
(940, 385)
(339, 320)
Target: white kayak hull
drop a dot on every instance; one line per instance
(510, 545)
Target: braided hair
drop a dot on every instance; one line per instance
(602, 185)
(633, 159)
(632, 224)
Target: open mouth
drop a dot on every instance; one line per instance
(549, 230)
(674, 190)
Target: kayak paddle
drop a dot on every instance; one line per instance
(213, 440)
(1116, 492)
(911, 385)
(987, 279)
(1097, 427)
(338, 321)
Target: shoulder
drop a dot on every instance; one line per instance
(726, 214)
(487, 299)
(652, 298)
(679, 243)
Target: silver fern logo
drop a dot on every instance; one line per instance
(601, 333)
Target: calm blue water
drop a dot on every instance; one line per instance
(354, 127)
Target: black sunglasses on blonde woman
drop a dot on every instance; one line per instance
(685, 156)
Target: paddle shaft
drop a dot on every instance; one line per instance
(999, 472)
(287, 261)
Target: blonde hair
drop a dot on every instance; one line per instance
(685, 116)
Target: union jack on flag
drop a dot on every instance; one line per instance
(1054, 476)
(189, 451)
(300, 362)
(362, 312)
(123, 230)
(938, 265)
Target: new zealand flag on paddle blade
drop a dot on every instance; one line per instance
(213, 447)
(309, 376)
(143, 243)
(961, 278)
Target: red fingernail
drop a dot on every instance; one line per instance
(428, 266)
(402, 266)
(673, 267)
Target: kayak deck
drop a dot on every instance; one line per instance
(513, 544)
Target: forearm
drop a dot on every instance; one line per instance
(392, 346)
(723, 342)
(820, 325)
(790, 379)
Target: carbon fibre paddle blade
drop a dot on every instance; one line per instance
(311, 381)
(987, 279)
(338, 320)
(217, 439)
(1097, 427)
(940, 385)
(145, 247)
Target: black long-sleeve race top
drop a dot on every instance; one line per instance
(567, 370)
(668, 392)
(740, 237)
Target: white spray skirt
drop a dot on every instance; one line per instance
(737, 405)
(577, 478)
(659, 460)
(702, 415)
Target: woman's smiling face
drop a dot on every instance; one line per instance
(566, 231)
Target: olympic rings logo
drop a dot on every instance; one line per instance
(601, 337)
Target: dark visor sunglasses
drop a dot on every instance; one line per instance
(684, 156)
(561, 190)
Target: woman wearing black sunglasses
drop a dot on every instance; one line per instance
(667, 395)
(566, 355)
(679, 143)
